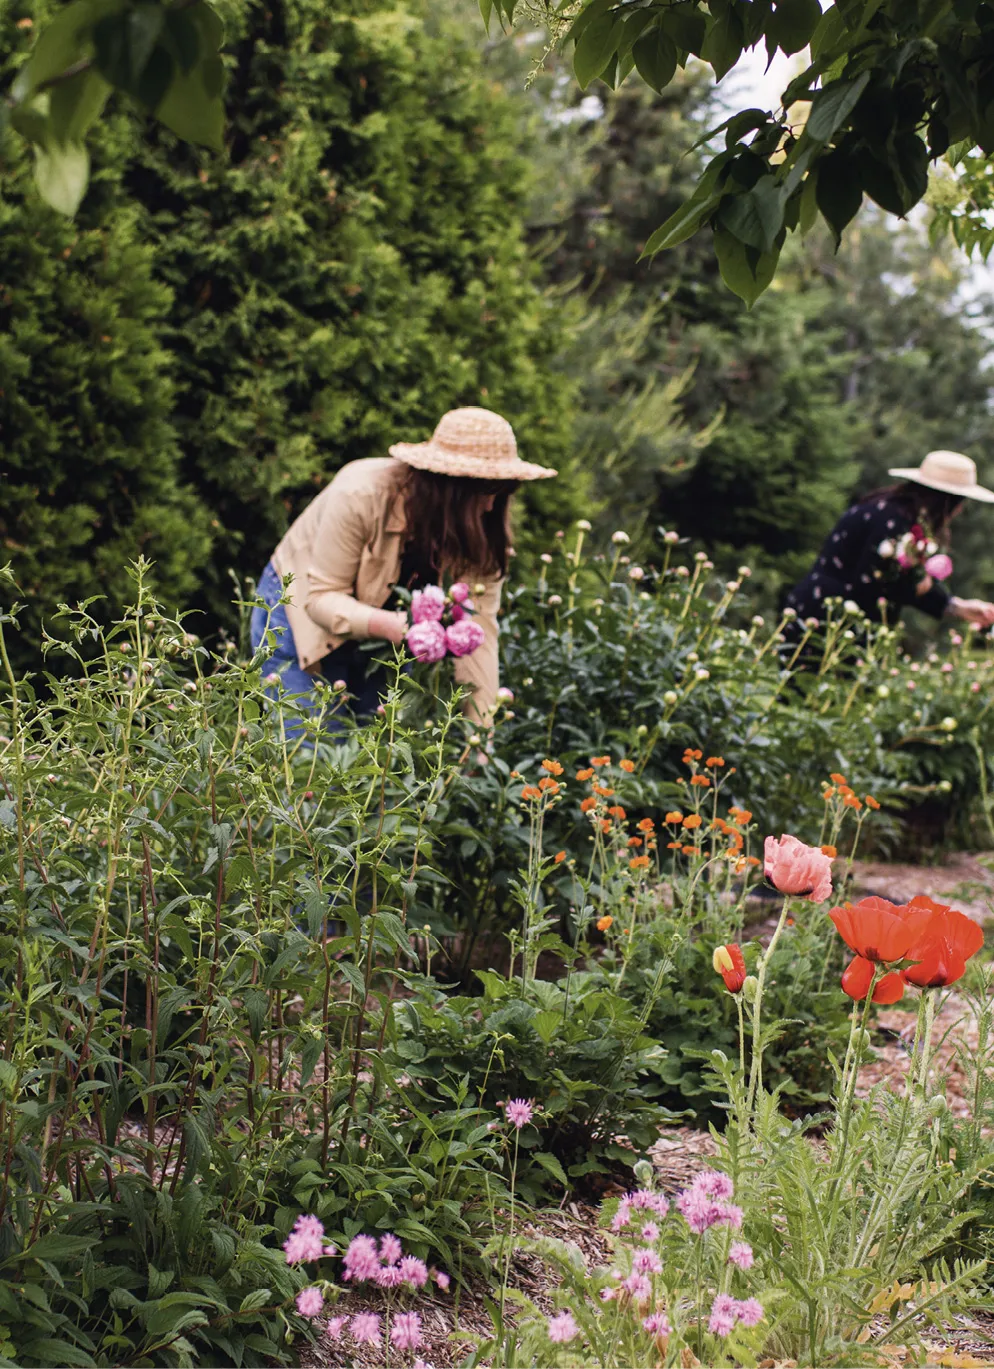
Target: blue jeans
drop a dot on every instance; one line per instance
(294, 692)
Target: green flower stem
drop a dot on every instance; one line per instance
(756, 1072)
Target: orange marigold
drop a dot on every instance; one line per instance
(549, 784)
(639, 863)
(692, 820)
(701, 781)
(674, 846)
(829, 851)
(605, 824)
(553, 767)
(627, 765)
(603, 923)
(559, 857)
(827, 793)
(692, 755)
(604, 790)
(844, 790)
(645, 824)
(530, 792)
(600, 760)
(851, 801)
(587, 804)
(871, 802)
(836, 778)
(714, 762)
(584, 775)
(742, 816)
(618, 812)
(690, 851)
(674, 816)
(634, 841)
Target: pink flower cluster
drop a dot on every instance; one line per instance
(429, 638)
(387, 1266)
(642, 1200)
(726, 1311)
(705, 1203)
(306, 1241)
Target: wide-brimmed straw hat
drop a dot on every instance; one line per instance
(471, 442)
(950, 472)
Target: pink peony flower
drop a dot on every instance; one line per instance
(406, 1331)
(798, 869)
(442, 1279)
(464, 637)
(657, 1325)
(563, 1328)
(519, 1112)
(740, 1253)
(390, 1248)
(365, 1327)
(940, 566)
(647, 1262)
(505, 695)
(459, 592)
(361, 1259)
(414, 1271)
(310, 1302)
(334, 1327)
(750, 1312)
(724, 1311)
(428, 604)
(426, 641)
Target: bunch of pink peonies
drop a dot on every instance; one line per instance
(441, 623)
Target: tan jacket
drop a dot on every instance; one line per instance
(344, 555)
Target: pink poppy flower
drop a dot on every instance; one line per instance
(795, 868)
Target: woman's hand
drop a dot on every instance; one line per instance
(976, 611)
(390, 627)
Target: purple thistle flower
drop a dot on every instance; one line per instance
(518, 1111)
(696, 1208)
(622, 1217)
(740, 1253)
(365, 1328)
(724, 1311)
(406, 1331)
(563, 1328)
(389, 1276)
(727, 1214)
(310, 1302)
(306, 1240)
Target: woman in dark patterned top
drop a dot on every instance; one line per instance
(870, 559)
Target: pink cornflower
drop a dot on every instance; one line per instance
(390, 1248)
(647, 1262)
(714, 1184)
(519, 1112)
(644, 1200)
(309, 1302)
(406, 1330)
(442, 1279)
(637, 1286)
(334, 1327)
(414, 1271)
(740, 1253)
(608, 1294)
(622, 1217)
(365, 1327)
(727, 1214)
(697, 1209)
(563, 1328)
(657, 1325)
(361, 1259)
(750, 1312)
(724, 1311)
(650, 1232)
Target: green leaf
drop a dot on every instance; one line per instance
(838, 192)
(742, 123)
(155, 79)
(792, 25)
(547, 1024)
(62, 173)
(75, 105)
(181, 35)
(124, 43)
(63, 1352)
(55, 1247)
(723, 46)
(832, 106)
(552, 1166)
(60, 44)
(687, 27)
(807, 214)
(744, 270)
(655, 57)
(682, 224)
(595, 47)
(756, 216)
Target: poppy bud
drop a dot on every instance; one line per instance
(937, 1105)
(729, 962)
(750, 987)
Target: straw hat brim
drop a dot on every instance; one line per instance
(978, 492)
(428, 456)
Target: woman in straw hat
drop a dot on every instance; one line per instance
(428, 511)
(890, 549)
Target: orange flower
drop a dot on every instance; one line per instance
(530, 792)
(857, 977)
(600, 760)
(674, 816)
(701, 781)
(736, 843)
(829, 851)
(851, 801)
(714, 762)
(628, 766)
(753, 860)
(871, 802)
(836, 778)
(945, 942)
(559, 857)
(645, 824)
(634, 841)
(603, 790)
(603, 923)
(690, 851)
(584, 774)
(550, 785)
(844, 791)
(553, 767)
(827, 793)
(691, 821)
(691, 755)
(618, 812)
(587, 804)
(639, 863)
(674, 846)
(515, 774)
(605, 824)
(742, 816)
(626, 931)
(876, 929)
(729, 962)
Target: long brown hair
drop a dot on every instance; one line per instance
(448, 527)
(936, 506)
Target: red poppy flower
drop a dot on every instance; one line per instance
(876, 929)
(729, 962)
(858, 976)
(945, 941)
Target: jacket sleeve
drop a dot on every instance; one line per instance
(342, 530)
(481, 668)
